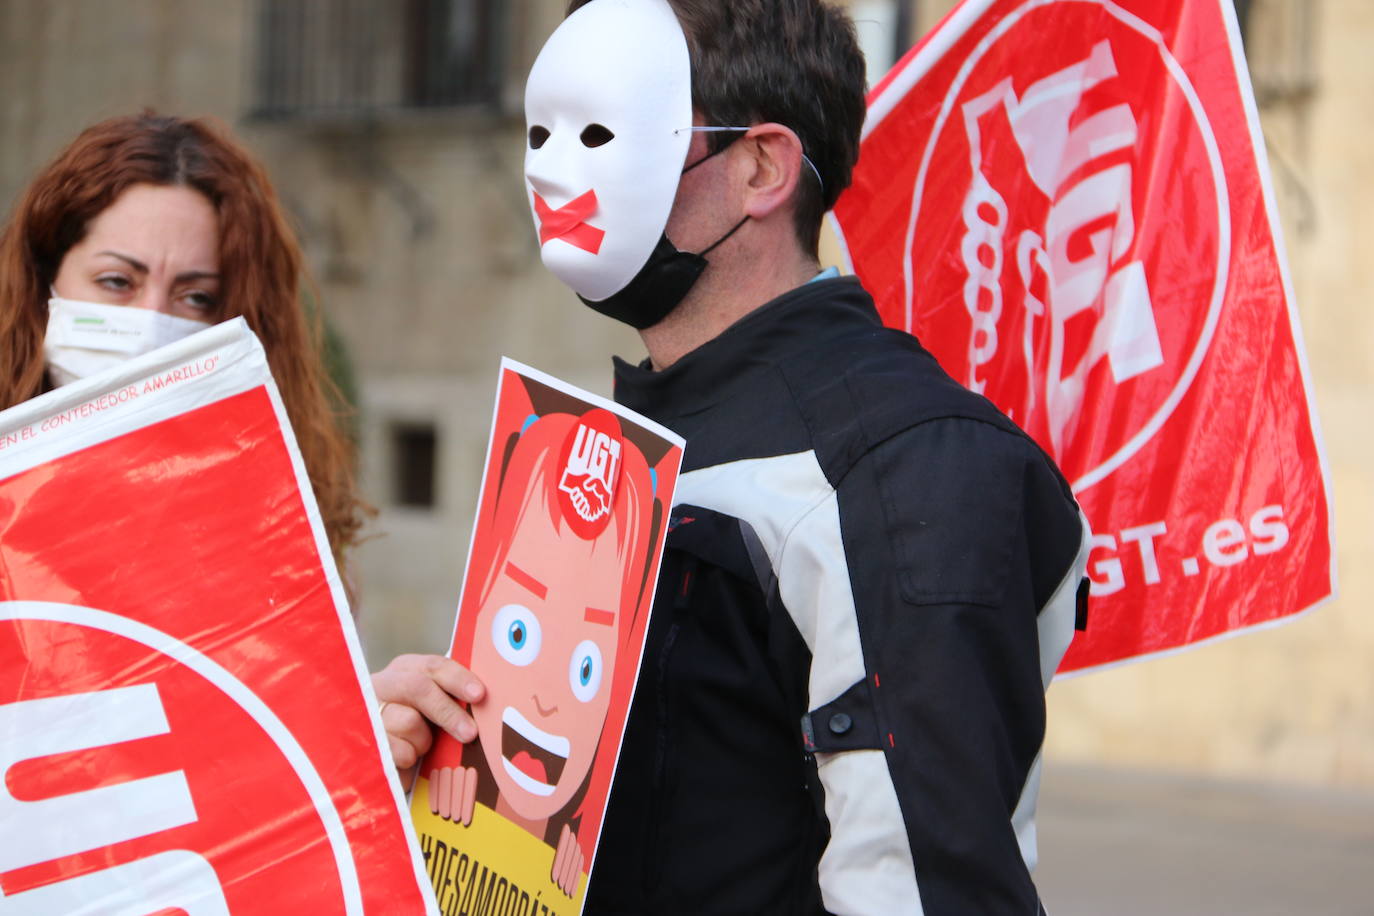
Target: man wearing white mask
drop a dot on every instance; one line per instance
(871, 573)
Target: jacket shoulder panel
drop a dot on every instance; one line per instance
(867, 386)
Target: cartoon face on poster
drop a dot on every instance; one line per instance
(559, 583)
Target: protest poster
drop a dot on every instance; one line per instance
(1068, 203)
(186, 721)
(560, 579)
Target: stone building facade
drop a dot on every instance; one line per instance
(393, 131)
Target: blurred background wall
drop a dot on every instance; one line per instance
(393, 131)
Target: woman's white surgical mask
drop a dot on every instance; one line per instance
(84, 338)
(603, 104)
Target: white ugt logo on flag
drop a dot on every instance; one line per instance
(1080, 278)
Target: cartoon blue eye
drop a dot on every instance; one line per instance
(516, 635)
(584, 670)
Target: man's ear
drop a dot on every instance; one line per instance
(773, 168)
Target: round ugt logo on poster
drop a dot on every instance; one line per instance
(136, 770)
(1065, 173)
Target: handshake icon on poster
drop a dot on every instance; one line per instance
(588, 494)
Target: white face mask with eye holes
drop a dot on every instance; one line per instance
(604, 105)
(84, 338)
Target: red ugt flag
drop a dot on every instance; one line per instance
(1067, 202)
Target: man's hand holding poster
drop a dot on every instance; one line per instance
(560, 579)
(1067, 201)
(186, 724)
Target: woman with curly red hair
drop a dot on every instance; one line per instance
(166, 225)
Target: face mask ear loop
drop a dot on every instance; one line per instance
(718, 241)
(737, 131)
(704, 158)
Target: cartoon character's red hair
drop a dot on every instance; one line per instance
(529, 481)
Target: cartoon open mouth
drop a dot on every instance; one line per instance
(532, 757)
(569, 222)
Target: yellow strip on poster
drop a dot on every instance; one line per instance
(460, 861)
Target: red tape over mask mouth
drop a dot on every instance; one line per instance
(568, 222)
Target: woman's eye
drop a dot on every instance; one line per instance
(584, 670)
(595, 135)
(114, 282)
(538, 136)
(200, 301)
(516, 635)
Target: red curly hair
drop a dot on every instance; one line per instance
(260, 263)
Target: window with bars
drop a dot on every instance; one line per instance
(361, 58)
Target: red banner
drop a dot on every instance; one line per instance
(1067, 202)
(185, 722)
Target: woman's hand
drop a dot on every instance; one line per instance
(416, 690)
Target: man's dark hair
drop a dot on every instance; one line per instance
(794, 62)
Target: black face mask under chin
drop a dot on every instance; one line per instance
(659, 286)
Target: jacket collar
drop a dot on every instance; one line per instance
(799, 320)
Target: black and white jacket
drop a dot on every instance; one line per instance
(871, 576)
